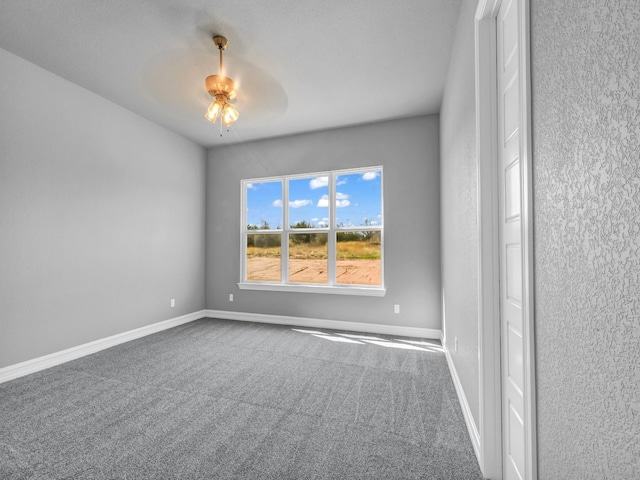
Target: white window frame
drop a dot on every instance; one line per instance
(331, 287)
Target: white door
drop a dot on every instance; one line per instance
(511, 238)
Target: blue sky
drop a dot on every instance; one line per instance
(358, 200)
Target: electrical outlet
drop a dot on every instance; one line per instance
(231, 297)
(173, 302)
(455, 344)
(396, 308)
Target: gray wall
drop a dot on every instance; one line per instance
(101, 217)
(458, 173)
(586, 157)
(408, 150)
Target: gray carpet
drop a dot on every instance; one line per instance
(217, 399)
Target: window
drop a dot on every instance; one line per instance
(295, 239)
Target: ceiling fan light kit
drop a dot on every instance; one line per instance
(222, 89)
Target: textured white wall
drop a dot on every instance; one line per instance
(458, 173)
(408, 150)
(586, 156)
(101, 216)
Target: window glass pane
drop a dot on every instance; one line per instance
(309, 202)
(264, 257)
(264, 205)
(359, 199)
(308, 258)
(359, 258)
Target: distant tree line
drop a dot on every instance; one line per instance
(371, 236)
(262, 240)
(266, 240)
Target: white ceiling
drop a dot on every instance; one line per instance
(301, 65)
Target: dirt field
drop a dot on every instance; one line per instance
(349, 272)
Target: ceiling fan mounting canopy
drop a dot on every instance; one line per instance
(220, 42)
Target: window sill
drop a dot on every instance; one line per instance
(327, 289)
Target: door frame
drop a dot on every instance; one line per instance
(489, 327)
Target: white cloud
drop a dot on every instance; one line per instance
(323, 202)
(342, 200)
(373, 222)
(293, 204)
(300, 203)
(370, 175)
(315, 219)
(322, 223)
(318, 182)
(341, 182)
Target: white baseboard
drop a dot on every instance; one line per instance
(53, 359)
(466, 410)
(331, 324)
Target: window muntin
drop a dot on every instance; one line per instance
(334, 247)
